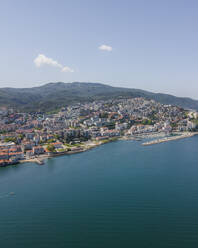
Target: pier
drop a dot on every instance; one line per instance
(40, 162)
(166, 139)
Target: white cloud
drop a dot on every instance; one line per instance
(67, 69)
(41, 60)
(105, 48)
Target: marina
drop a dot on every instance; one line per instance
(170, 138)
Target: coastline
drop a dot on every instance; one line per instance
(39, 159)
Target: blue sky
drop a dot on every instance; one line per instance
(151, 45)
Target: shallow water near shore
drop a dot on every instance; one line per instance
(120, 194)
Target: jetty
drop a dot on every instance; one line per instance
(170, 138)
(38, 161)
(33, 160)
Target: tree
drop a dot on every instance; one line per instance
(51, 148)
(50, 141)
(103, 115)
(10, 139)
(147, 122)
(21, 136)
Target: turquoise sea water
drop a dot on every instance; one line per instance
(120, 194)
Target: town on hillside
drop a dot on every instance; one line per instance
(31, 136)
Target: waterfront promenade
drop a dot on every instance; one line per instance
(159, 138)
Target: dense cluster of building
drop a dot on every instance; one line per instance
(27, 135)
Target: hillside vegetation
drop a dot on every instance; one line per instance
(52, 96)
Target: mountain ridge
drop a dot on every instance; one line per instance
(52, 96)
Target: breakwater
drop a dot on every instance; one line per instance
(170, 138)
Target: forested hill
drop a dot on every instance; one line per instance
(52, 96)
